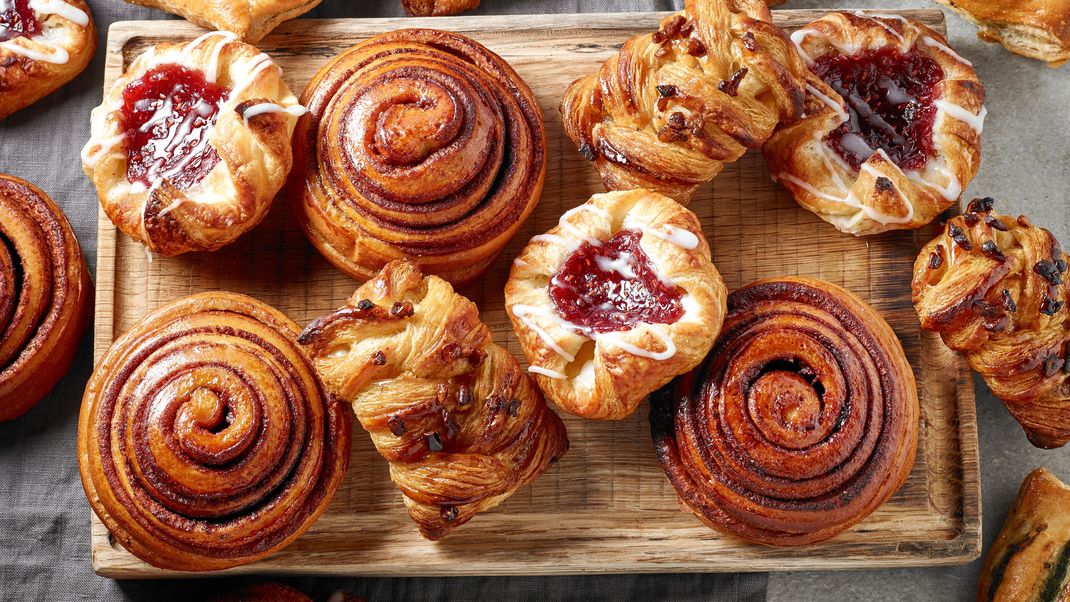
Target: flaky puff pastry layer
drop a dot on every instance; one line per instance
(996, 289)
(672, 107)
(251, 136)
(605, 375)
(249, 19)
(879, 196)
(1038, 29)
(32, 67)
(460, 423)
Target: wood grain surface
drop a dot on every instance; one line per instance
(607, 506)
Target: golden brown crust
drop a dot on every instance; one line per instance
(880, 196)
(672, 107)
(437, 8)
(206, 440)
(617, 379)
(251, 20)
(1038, 29)
(801, 422)
(1030, 559)
(255, 153)
(461, 425)
(34, 67)
(420, 145)
(996, 289)
(46, 296)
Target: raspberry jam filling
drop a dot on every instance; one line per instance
(167, 116)
(613, 286)
(890, 106)
(17, 20)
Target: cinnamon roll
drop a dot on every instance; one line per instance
(460, 423)
(996, 288)
(421, 144)
(672, 107)
(801, 421)
(206, 440)
(45, 295)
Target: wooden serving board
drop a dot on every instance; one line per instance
(606, 506)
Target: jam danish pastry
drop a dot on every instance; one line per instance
(672, 107)
(892, 128)
(421, 145)
(1030, 559)
(996, 289)
(43, 45)
(46, 296)
(192, 143)
(248, 19)
(206, 440)
(460, 423)
(801, 422)
(615, 301)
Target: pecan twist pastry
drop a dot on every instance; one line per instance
(423, 145)
(437, 8)
(892, 128)
(996, 289)
(615, 301)
(250, 20)
(192, 143)
(801, 422)
(43, 45)
(206, 440)
(45, 295)
(1030, 559)
(1038, 29)
(672, 107)
(460, 423)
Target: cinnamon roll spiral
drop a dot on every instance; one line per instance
(45, 295)
(801, 421)
(420, 144)
(206, 440)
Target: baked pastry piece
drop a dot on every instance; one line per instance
(192, 143)
(43, 45)
(423, 145)
(206, 440)
(249, 19)
(45, 295)
(672, 107)
(801, 422)
(437, 8)
(461, 425)
(892, 129)
(614, 301)
(1030, 559)
(996, 289)
(1038, 29)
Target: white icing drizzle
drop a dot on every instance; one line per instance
(259, 63)
(92, 154)
(553, 239)
(928, 41)
(623, 264)
(685, 239)
(842, 114)
(568, 228)
(797, 38)
(168, 209)
(57, 54)
(547, 372)
(976, 122)
(850, 200)
(212, 72)
(62, 9)
(950, 191)
(522, 313)
(614, 339)
(270, 107)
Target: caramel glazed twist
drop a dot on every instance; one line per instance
(995, 288)
(672, 107)
(205, 439)
(461, 424)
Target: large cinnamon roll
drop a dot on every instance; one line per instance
(206, 440)
(45, 295)
(801, 421)
(420, 144)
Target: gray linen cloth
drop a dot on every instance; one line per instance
(44, 517)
